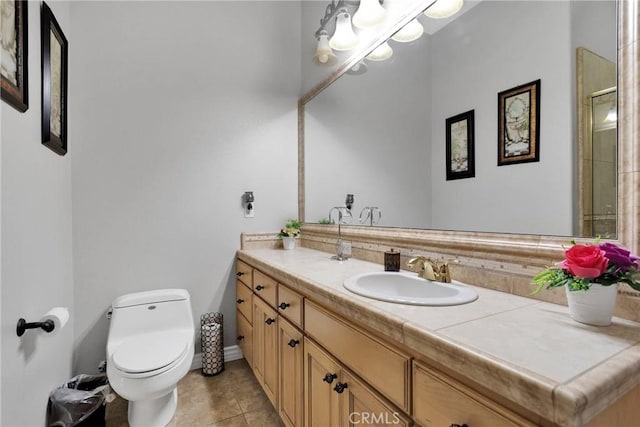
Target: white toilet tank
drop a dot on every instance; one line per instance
(150, 311)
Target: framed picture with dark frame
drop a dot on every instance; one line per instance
(14, 79)
(519, 124)
(54, 82)
(460, 146)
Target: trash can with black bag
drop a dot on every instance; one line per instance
(81, 401)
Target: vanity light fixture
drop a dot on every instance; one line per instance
(369, 14)
(381, 53)
(410, 32)
(443, 8)
(343, 38)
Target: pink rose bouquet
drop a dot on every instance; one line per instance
(604, 263)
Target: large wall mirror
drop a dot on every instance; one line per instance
(382, 135)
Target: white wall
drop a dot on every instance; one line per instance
(472, 63)
(37, 270)
(177, 109)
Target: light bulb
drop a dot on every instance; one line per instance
(324, 55)
(410, 32)
(443, 8)
(343, 38)
(381, 53)
(369, 14)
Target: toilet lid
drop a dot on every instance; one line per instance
(150, 352)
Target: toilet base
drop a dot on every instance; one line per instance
(153, 413)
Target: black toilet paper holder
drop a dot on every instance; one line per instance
(23, 325)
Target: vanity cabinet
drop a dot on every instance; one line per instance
(385, 367)
(441, 401)
(320, 369)
(335, 397)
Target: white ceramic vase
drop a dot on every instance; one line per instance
(289, 243)
(593, 307)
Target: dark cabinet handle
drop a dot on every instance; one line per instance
(269, 321)
(240, 273)
(339, 388)
(292, 343)
(240, 337)
(259, 288)
(284, 305)
(458, 425)
(329, 378)
(239, 300)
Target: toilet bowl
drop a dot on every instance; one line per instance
(149, 349)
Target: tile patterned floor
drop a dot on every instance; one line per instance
(232, 398)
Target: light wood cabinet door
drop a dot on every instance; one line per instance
(361, 406)
(244, 337)
(385, 368)
(244, 273)
(441, 401)
(291, 365)
(290, 305)
(321, 374)
(265, 348)
(265, 287)
(244, 300)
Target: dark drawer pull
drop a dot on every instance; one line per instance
(269, 321)
(239, 300)
(459, 425)
(339, 388)
(259, 288)
(284, 305)
(292, 343)
(329, 378)
(240, 273)
(240, 337)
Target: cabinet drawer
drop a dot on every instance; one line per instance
(382, 366)
(244, 337)
(265, 287)
(290, 305)
(439, 400)
(244, 272)
(244, 300)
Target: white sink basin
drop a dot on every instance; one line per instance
(408, 288)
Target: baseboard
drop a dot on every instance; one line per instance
(230, 353)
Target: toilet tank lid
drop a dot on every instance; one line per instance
(149, 297)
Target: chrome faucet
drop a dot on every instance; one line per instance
(430, 269)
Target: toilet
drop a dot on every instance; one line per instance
(149, 349)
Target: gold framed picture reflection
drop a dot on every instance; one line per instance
(54, 82)
(460, 146)
(14, 81)
(519, 124)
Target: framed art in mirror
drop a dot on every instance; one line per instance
(519, 124)
(460, 146)
(54, 82)
(13, 48)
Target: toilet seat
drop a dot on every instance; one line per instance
(150, 354)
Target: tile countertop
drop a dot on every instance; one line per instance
(527, 351)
